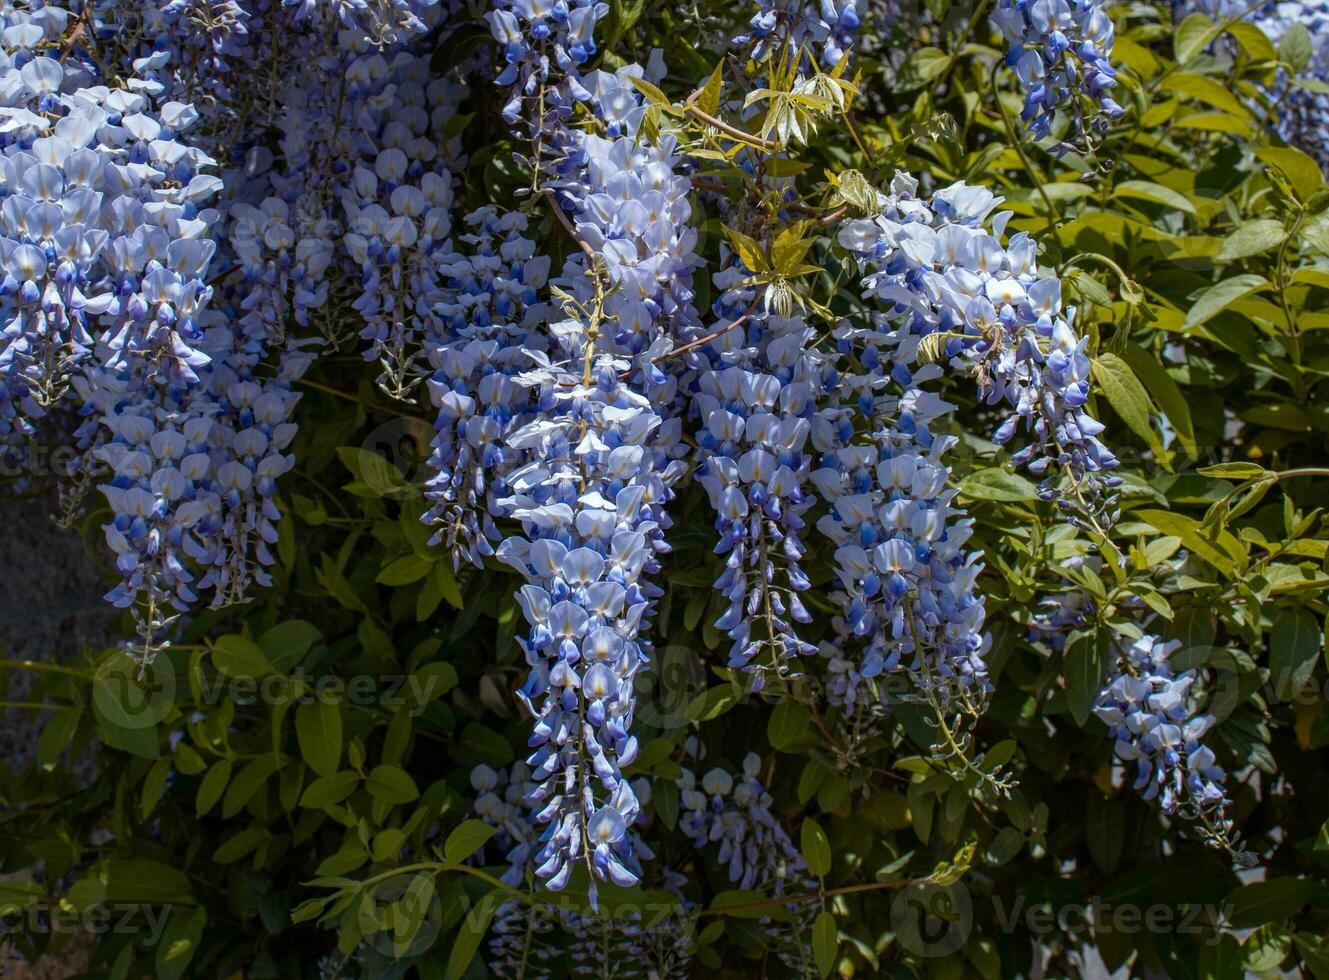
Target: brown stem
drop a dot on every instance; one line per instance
(728, 130)
(566, 223)
(691, 344)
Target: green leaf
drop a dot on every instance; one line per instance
(431, 681)
(1253, 41)
(56, 735)
(1233, 471)
(788, 723)
(825, 942)
(1004, 846)
(1219, 297)
(1164, 393)
(405, 570)
(1267, 901)
(922, 66)
(318, 730)
(1294, 646)
(465, 840)
(479, 743)
(1314, 951)
(709, 100)
(139, 741)
(1084, 674)
(1315, 236)
(237, 656)
(179, 941)
(1127, 396)
(816, 848)
(391, 784)
(238, 845)
(1193, 35)
(473, 929)
(1266, 947)
(286, 644)
(789, 249)
(212, 786)
(1206, 90)
(1295, 46)
(1102, 829)
(330, 790)
(1090, 288)
(1146, 190)
(746, 904)
(652, 93)
(1216, 546)
(1301, 171)
(1252, 238)
(154, 784)
(713, 702)
(445, 581)
(749, 250)
(247, 782)
(997, 483)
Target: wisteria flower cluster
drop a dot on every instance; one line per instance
(951, 289)
(524, 936)
(198, 198)
(1060, 51)
(757, 399)
(819, 34)
(1148, 708)
(733, 816)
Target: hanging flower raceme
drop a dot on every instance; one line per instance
(282, 277)
(600, 454)
(951, 289)
(191, 48)
(100, 234)
(733, 815)
(590, 503)
(249, 434)
(818, 34)
(755, 400)
(518, 933)
(491, 306)
(378, 22)
(524, 937)
(1149, 710)
(397, 204)
(908, 591)
(1060, 50)
(543, 45)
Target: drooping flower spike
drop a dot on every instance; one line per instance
(1060, 51)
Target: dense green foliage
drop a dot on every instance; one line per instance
(1196, 246)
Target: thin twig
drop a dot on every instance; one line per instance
(566, 223)
(683, 349)
(732, 131)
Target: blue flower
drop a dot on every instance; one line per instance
(1060, 50)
